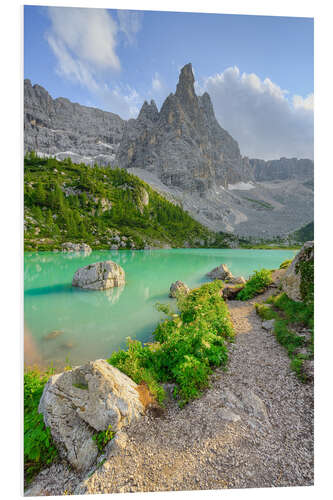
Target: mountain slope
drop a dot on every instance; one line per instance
(102, 207)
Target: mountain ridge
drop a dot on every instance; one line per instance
(184, 152)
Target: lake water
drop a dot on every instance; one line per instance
(92, 324)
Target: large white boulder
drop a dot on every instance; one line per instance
(99, 276)
(79, 402)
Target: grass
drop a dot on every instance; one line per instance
(290, 315)
(187, 346)
(39, 450)
(257, 283)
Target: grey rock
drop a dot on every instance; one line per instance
(178, 288)
(230, 291)
(291, 280)
(76, 247)
(99, 276)
(268, 324)
(58, 127)
(77, 403)
(220, 273)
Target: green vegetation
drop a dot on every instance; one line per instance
(259, 204)
(290, 316)
(257, 283)
(96, 205)
(187, 346)
(39, 449)
(306, 269)
(285, 264)
(103, 437)
(305, 233)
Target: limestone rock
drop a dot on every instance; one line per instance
(178, 288)
(77, 403)
(76, 247)
(268, 324)
(237, 280)
(99, 276)
(230, 291)
(220, 273)
(291, 280)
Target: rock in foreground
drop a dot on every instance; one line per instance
(178, 288)
(78, 403)
(99, 276)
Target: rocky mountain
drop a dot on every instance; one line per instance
(60, 128)
(182, 152)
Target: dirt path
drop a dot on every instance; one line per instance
(252, 428)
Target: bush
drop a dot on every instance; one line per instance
(39, 449)
(257, 284)
(285, 264)
(187, 346)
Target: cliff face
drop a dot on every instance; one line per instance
(183, 144)
(282, 169)
(60, 127)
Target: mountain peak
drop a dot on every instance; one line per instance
(185, 84)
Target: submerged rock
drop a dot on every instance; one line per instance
(78, 403)
(99, 276)
(178, 288)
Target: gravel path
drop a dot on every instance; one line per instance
(252, 428)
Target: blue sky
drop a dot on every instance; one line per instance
(257, 69)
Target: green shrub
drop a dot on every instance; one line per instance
(288, 314)
(285, 264)
(257, 283)
(187, 346)
(103, 437)
(39, 449)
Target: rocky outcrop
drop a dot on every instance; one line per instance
(220, 273)
(61, 128)
(78, 403)
(99, 276)
(76, 247)
(178, 288)
(297, 281)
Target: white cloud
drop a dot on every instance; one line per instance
(89, 34)
(156, 83)
(130, 23)
(305, 103)
(259, 115)
(84, 43)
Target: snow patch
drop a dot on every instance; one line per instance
(241, 186)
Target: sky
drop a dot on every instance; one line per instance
(258, 70)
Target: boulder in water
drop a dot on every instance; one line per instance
(178, 288)
(99, 276)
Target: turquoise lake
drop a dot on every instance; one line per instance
(92, 324)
